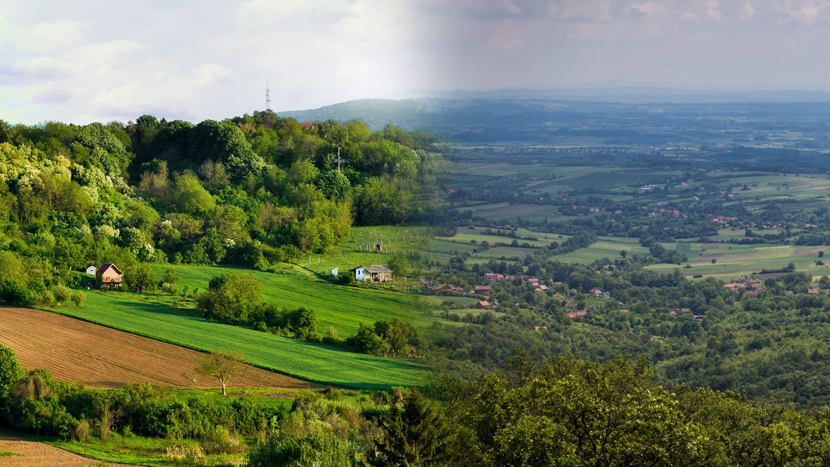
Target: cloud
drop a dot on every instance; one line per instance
(95, 60)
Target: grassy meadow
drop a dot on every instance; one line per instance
(186, 327)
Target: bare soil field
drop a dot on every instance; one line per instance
(33, 454)
(100, 357)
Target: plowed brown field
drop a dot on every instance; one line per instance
(32, 454)
(100, 357)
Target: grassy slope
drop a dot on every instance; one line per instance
(338, 306)
(186, 327)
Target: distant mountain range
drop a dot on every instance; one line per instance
(445, 111)
(646, 95)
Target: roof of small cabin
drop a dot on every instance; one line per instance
(104, 267)
(374, 268)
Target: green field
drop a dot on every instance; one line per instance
(742, 260)
(338, 306)
(186, 327)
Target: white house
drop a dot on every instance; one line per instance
(335, 271)
(373, 273)
(90, 271)
(359, 273)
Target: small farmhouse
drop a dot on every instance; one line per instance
(90, 271)
(109, 275)
(482, 305)
(372, 273)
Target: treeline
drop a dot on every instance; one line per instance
(33, 401)
(568, 411)
(250, 190)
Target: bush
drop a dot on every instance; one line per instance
(17, 293)
(45, 298)
(346, 277)
(184, 455)
(62, 293)
(81, 431)
(78, 298)
(221, 441)
(10, 370)
(316, 444)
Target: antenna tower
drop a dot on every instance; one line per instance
(267, 97)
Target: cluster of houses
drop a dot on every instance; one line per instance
(752, 287)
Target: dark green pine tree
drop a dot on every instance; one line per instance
(413, 435)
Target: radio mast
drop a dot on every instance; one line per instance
(267, 97)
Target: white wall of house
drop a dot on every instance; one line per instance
(359, 273)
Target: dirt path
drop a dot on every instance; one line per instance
(34, 454)
(100, 357)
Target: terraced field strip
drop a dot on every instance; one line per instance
(101, 357)
(304, 360)
(34, 454)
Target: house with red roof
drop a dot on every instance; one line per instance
(109, 275)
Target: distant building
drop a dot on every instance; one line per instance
(483, 305)
(90, 271)
(109, 275)
(372, 273)
(480, 289)
(307, 126)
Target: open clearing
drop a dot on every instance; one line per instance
(34, 454)
(100, 357)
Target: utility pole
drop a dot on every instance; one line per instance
(339, 159)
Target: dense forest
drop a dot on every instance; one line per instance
(251, 190)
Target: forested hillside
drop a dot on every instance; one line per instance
(251, 190)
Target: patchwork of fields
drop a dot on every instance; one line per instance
(185, 327)
(101, 357)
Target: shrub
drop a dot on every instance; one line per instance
(17, 293)
(185, 455)
(45, 298)
(78, 298)
(316, 445)
(62, 293)
(81, 431)
(346, 277)
(221, 441)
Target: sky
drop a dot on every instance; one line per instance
(95, 60)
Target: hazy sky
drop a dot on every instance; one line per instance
(94, 60)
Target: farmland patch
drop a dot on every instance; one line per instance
(101, 357)
(34, 454)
